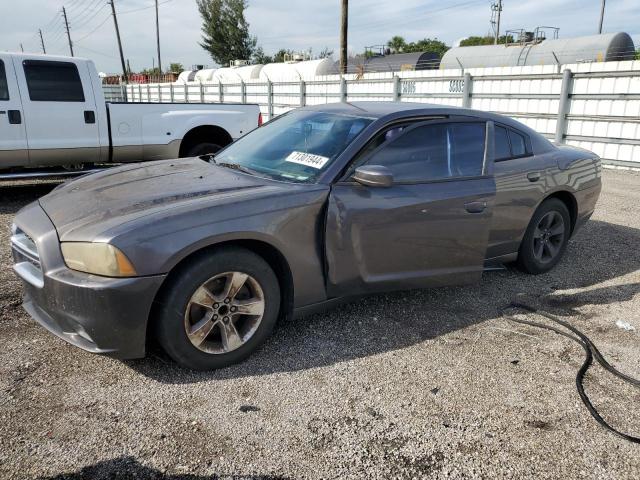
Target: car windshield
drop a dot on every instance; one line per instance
(296, 147)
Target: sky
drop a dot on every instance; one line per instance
(293, 24)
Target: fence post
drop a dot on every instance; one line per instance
(186, 93)
(466, 91)
(140, 92)
(563, 107)
(171, 92)
(220, 92)
(201, 93)
(270, 99)
(243, 91)
(159, 93)
(148, 92)
(343, 89)
(123, 91)
(396, 88)
(303, 93)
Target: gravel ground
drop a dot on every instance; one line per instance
(407, 385)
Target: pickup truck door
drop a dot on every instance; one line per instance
(59, 111)
(13, 138)
(429, 228)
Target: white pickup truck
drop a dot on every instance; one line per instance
(53, 112)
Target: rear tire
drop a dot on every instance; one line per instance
(203, 148)
(218, 309)
(546, 237)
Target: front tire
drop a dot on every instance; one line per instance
(218, 309)
(546, 237)
(203, 148)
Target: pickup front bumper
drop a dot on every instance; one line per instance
(98, 314)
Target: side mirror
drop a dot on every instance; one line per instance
(373, 176)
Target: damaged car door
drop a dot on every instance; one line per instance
(413, 209)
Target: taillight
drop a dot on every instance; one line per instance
(260, 119)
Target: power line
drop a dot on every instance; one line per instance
(95, 29)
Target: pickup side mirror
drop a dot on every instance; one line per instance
(373, 176)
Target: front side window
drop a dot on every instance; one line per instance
(295, 147)
(49, 81)
(434, 152)
(4, 87)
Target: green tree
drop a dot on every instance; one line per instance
(397, 44)
(486, 40)
(176, 68)
(280, 54)
(428, 45)
(225, 31)
(261, 58)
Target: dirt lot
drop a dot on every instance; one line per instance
(408, 385)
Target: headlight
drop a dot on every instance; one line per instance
(97, 258)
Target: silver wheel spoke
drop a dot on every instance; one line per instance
(203, 297)
(557, 230)
(230, 337)
(235, 281)
(537, 249)
(553, 249)
(201, 330)
(252, 306)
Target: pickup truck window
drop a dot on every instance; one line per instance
(49, 81)
(4, 88)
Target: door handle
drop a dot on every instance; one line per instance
(475, 207)
(14, 117)
(89, 116)
(533, 176)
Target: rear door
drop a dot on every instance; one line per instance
(13, 137)
(60, 112)
(430, 228)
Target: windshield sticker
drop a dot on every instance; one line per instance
(307, 159)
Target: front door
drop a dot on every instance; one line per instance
(14, 150)
(430, 228)
(60, 111)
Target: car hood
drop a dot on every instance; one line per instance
(86, 208)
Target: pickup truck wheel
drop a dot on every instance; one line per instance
(203, 149)
(546, 237)
(219, 309)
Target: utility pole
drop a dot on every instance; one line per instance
(497, 8)
(42, 41)
(66, 26)
(158, 39)
(343, 36)
(115, 23)
(601, 16)
(21, 48)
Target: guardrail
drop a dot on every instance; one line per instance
(598, 110)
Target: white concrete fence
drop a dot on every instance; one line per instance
(591, 105)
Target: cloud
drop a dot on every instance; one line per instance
(293, 24)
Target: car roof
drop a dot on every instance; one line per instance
(389, 110)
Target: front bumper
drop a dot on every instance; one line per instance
(97, 314)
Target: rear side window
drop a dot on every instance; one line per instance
(53, 81)
(503, 150)
(4, 88)
(434, 152)
(518, 144)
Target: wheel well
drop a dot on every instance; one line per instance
(268, 252)
(570, 202)
(204, 133)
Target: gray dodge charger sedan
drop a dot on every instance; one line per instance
(323, 203)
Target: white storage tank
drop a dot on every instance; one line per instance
(292, 71)
(204, 75)
(235, 74)
(187, 76)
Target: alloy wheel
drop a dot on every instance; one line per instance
(548, 237)
(224, 312)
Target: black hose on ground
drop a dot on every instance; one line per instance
(591, 352)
